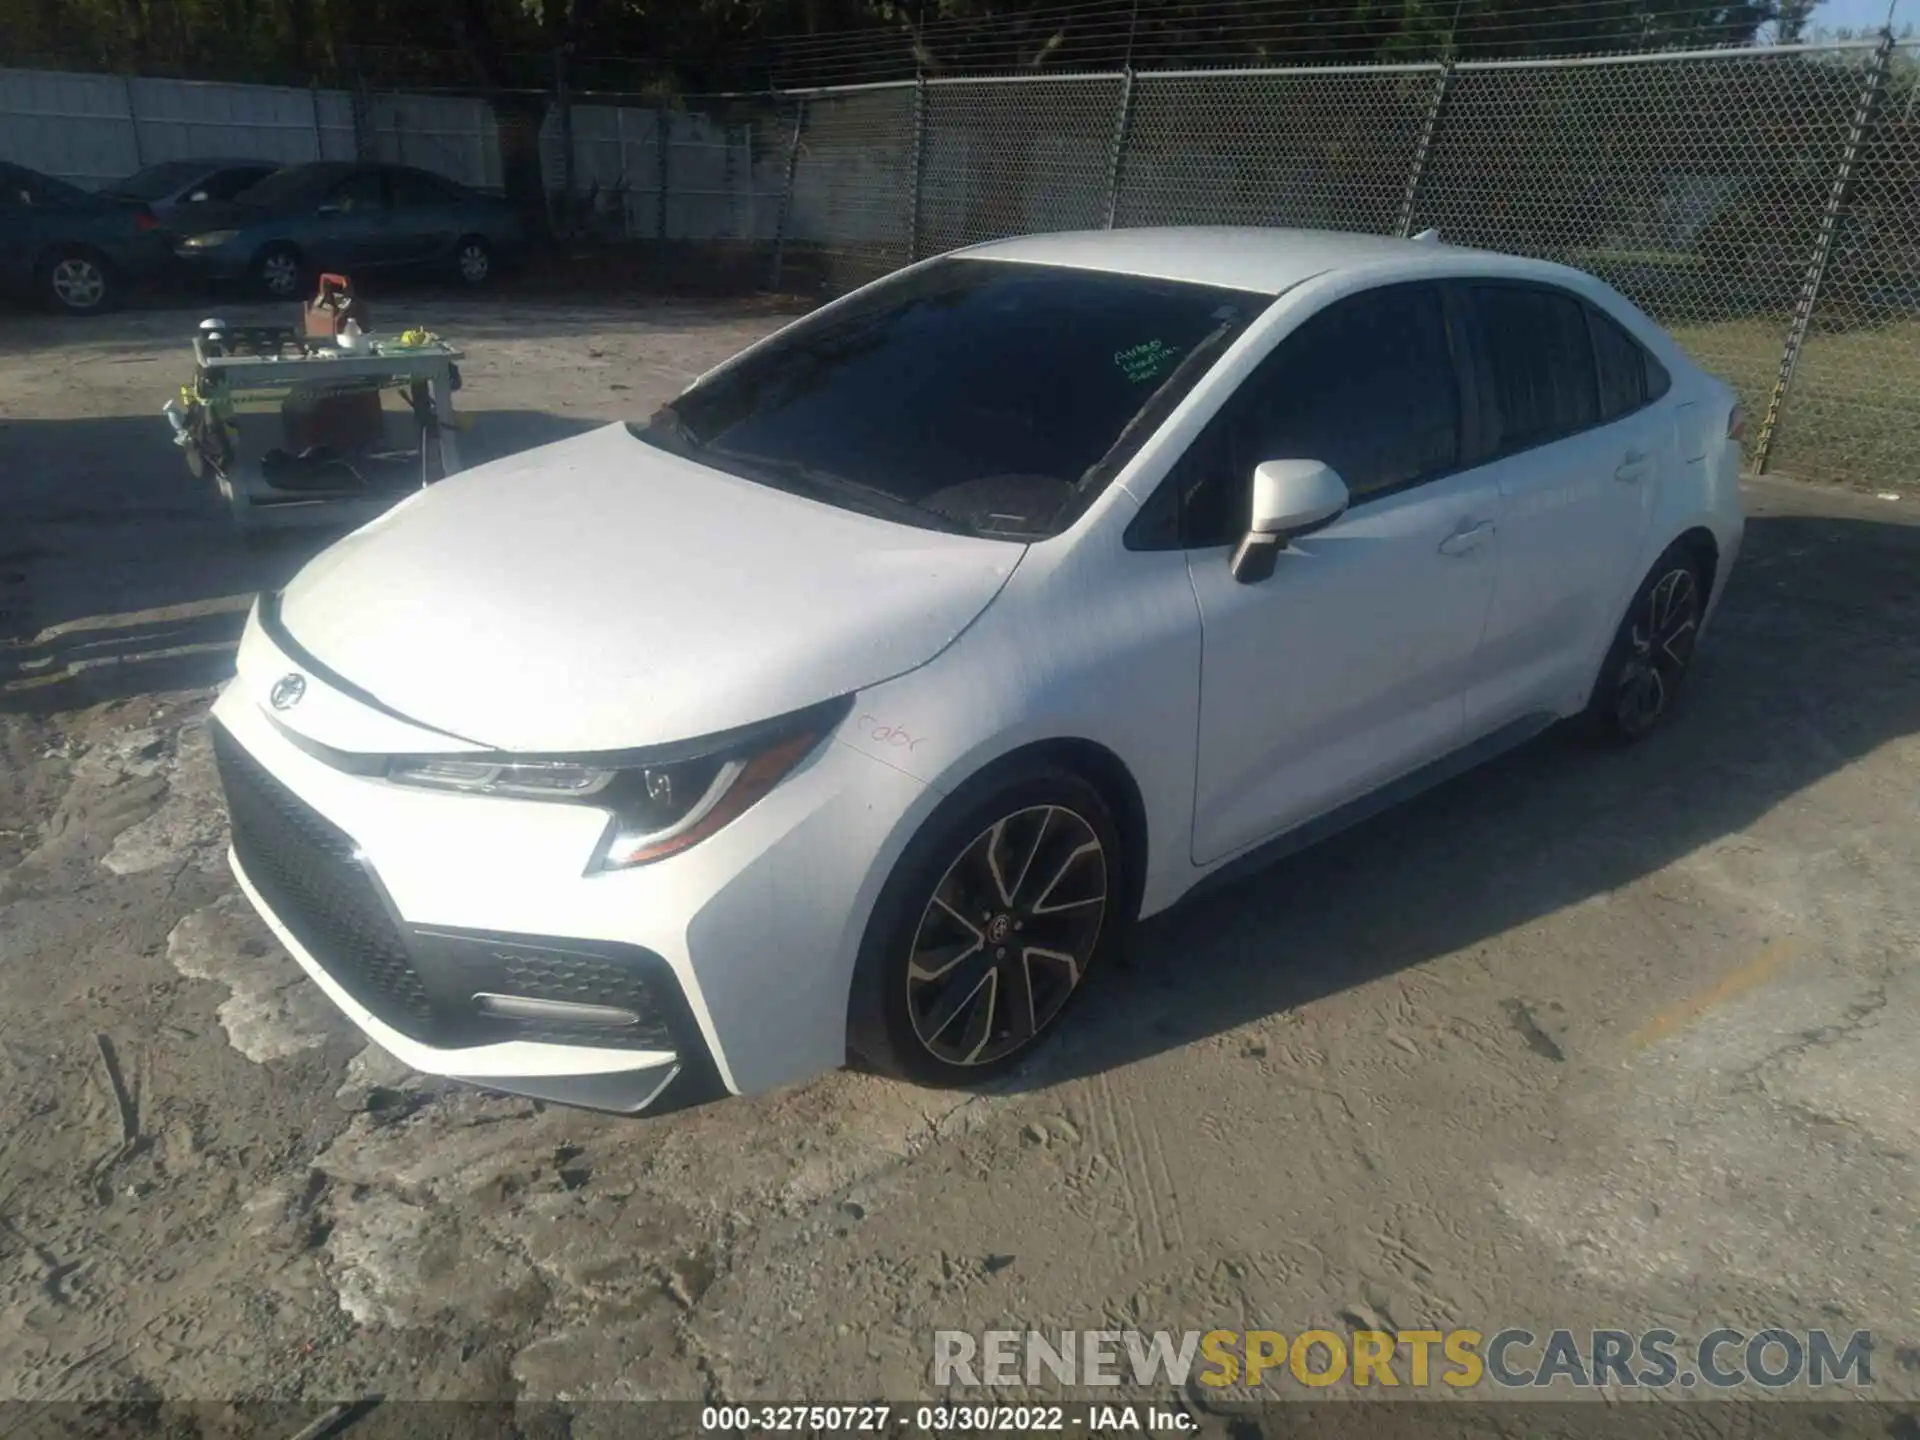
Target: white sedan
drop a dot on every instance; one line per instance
(850, 710)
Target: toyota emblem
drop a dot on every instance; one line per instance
(287, 691)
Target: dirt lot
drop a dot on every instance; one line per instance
(1581, 1040)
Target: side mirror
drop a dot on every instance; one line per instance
(1291, 498)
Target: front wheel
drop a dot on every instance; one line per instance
(1652, 652)
(987, 929)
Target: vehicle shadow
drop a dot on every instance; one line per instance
(122, 574)
(1813, 663)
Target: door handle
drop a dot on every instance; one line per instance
(1467, 538)
(1632, 466)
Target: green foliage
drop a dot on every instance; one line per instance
(644, 45)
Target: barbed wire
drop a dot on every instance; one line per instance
(1111, 34)
(1079, 36)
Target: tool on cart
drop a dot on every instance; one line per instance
(289, 421)
(342, 419)
(332, 306)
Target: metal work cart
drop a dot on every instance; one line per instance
(293, 431)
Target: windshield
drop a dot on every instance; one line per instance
(984, 396)
(160, 180)
(296, 182)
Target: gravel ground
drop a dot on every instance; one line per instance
(1580, 1040)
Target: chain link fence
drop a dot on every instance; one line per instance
(1853, 409)
(1326, 148)
(849, 167)
(1763, 204)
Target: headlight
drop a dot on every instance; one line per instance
(657, 807)
(208, 239)
(536, 779)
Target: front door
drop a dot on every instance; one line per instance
(1347, 666)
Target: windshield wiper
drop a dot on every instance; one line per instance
(838, 489)
(667, 423)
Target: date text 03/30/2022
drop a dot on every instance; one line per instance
(961, 1419)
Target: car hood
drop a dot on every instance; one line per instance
(601, 594)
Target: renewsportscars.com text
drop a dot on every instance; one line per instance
(1509, 1359)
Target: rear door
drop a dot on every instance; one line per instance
(351, 229)
(1577, 452)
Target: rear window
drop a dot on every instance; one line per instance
(978, 395)
(1623, 367)
(157, 181)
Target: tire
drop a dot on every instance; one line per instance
(1646, 667)
(950, 988)
(474, 262)
(78, 282)
(279, 272)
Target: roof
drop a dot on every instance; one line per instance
(1237, 257)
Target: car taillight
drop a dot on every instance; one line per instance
(1737, 423)
(143, 220)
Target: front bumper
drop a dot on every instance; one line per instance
(430, 993)
(431, 919)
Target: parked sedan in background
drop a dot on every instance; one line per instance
(76, 250)
(342, 216)
(852, 708)
(173, 186)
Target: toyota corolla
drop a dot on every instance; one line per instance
(849, 709)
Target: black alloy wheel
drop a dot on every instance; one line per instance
(1652, 653)
(1007, 935)
(987, 929)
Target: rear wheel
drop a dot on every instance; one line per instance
(473, 261)
(78, 281)
(988, 929)
(1652, 652)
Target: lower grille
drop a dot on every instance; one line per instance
(423, 982)
(304, 868)
(475, 963)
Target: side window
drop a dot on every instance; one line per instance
(1658, 380)
(412, 188)
(1366, 386)
(1540, 381)
(228, 183)
(1622, 365)
(363, 190)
